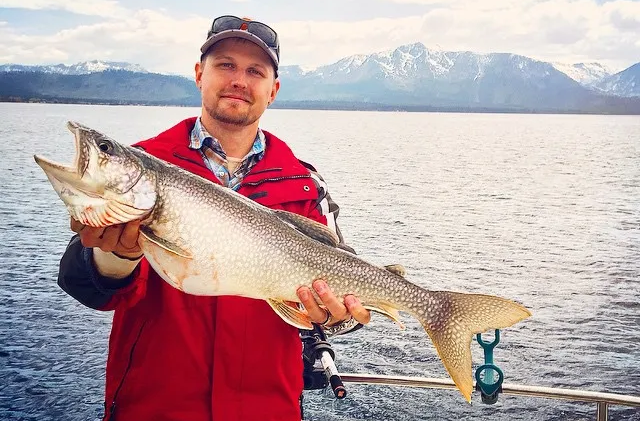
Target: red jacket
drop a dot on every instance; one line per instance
(174, 356)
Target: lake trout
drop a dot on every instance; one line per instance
(249, 250)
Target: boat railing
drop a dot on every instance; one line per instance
(602, 400)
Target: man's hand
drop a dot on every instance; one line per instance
(121, 239)
(338, 311)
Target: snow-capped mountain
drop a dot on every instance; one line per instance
(418, 74)
(625, 83)
(294, 72)
(414, 74)
(411, 76)
(83, 68)
(415, 62)
(587, 74)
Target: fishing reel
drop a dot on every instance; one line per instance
(319, 368)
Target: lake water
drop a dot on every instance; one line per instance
(543, 209)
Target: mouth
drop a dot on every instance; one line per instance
(62, 172)
(236, 98)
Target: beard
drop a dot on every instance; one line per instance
(230, 117)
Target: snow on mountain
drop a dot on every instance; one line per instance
(294, 71)
(95, 66)
(86, 67)
(415, 71)
(415, 74)
(412, 64)
(400, 66)
(625, 83)
(587, 74)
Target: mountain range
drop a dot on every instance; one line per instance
(93, 66)
(410, 77)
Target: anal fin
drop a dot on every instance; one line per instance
(290, 314)
(386, 310)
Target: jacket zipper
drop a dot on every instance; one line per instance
(264, 180)
(112, 408)
(252, 183)
(266, 170)
(200, 164)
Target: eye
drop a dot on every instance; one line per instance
(105, 146)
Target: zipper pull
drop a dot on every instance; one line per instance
(112, 411)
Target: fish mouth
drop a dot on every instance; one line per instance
(70, 174)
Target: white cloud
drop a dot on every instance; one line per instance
(83, 7)
(152, 39)
(552, 30)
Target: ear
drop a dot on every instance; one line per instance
(198, 73)
(274, 91)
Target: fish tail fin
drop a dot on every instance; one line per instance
(451, 319)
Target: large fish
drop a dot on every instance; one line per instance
(249, 250)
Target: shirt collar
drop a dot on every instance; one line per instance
(200, 137)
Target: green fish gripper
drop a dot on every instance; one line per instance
(489, 387)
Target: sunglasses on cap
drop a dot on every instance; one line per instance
(259, 29)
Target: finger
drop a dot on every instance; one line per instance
(335, 306)
(110, 237)
(90, 236)
(129, 236)
(76, 226)
(354, 306)
(316, 313)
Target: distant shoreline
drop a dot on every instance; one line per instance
(320, 105)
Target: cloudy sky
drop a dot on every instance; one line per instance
(165, 36)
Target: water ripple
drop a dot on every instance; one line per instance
(539, 208)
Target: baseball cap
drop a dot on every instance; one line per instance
(229, 26)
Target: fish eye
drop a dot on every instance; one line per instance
(105, 146)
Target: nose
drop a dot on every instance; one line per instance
(239, 80)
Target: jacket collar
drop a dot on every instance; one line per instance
(277, 162)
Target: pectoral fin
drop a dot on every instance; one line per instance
(309, 227)
(173, 248)
(290, 314)
(388, 311)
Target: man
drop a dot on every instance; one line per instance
(174, 356)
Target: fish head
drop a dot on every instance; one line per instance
(107, 184)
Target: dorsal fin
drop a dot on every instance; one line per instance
(309, 227)
(396, 269)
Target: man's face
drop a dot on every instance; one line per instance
(237, 82)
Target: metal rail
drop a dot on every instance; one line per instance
(603, 400)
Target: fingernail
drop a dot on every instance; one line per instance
(350, 301)
(320, 286)
(303, 293)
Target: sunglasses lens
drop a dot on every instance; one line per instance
(263, 32)
(225, 23)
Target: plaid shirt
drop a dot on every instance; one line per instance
(216, 159)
